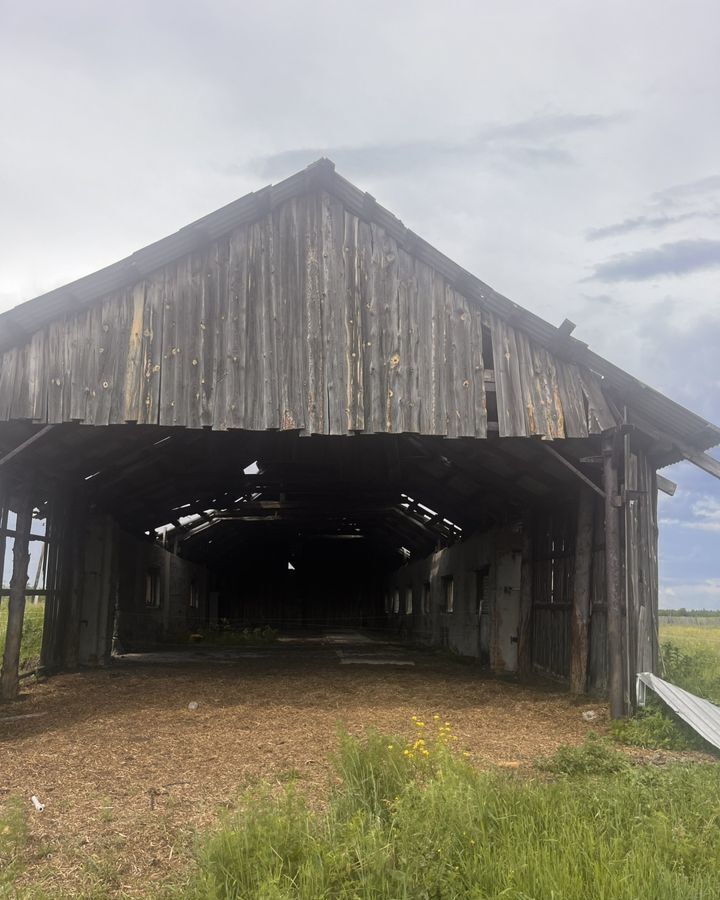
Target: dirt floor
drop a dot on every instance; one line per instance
(128, 772)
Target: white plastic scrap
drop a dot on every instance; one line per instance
(37, 804)
(589, 715)
(193, 704)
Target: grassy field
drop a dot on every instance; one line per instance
(32, 632)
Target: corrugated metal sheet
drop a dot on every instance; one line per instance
(701, 715)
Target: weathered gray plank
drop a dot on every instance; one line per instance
(151, 354)
(353, 324)
(511, 411)
(571, 399)
(368, 260)
(288, 270)
(600, 417)
(236, 332)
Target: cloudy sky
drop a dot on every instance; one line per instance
(567, 152)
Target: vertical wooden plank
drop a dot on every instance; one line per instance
(288, 272)
(613, 576)
(170, 364)
(532, 400)
(255, 346)
(477, 364)
(580, 619)
(9, 680)
(8, 362)
(180, 349)
(21, 406)
(333, 309)
(525, 637)
(544, 389)
(353, 324)
(209, 299)
(131, 356)
(316, 402)
(600, 417)
(151, 349)
(438, 362)
(80, 353)
(237, 328)
(571, 400)
(401, 363)
(118, 315)
(37, 376)
(56, 370)
(511, 412)
(368, 261)
(422, 351)
(192, 337)
(270, 395)
(387, 290)
(220, 364)
(461, 378)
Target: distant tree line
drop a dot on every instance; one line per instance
(695, 613)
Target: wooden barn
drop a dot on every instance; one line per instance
(296, 412)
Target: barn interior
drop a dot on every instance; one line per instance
(186, 532)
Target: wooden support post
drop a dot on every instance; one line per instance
(525, 614)
(612, 574)
(16, 606)
(580, 622)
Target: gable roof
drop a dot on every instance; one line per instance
(686, 433)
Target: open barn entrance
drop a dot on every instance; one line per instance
(296, 412)
(171, 535)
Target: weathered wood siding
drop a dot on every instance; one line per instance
(309, 319)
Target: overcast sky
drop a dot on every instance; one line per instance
(568, 153)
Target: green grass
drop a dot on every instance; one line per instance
(433, 828)
(32, 632)
(13, 835)
(232, 637)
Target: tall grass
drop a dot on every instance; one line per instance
(32, 632)
(429, 827)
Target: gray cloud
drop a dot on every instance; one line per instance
(677, 258)
(528, 142)
(689, 189)
(654, 223)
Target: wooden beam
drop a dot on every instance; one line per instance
(25, 444)
(566, 328)
(9, 680)
(566, 462)
(702, 460)
(665, 485)
(580, 617)
(612, 576)
(525, 608)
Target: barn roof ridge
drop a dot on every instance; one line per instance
(18, 323)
